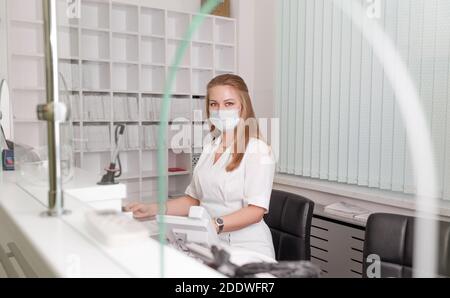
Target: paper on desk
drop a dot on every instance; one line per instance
(151, 225)
(347, 210)
(362, 217)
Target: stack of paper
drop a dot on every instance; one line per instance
(131, 137)
(151, 107)
(70, 73)
(77, 144)
(96, 107)
(347, 210)
(98, 137)
(149, 133)
(133, 108)
(75, 106)
(120, 108)
(199, 109)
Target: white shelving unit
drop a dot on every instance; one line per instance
(115, 60)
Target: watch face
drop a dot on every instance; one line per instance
(219, 221)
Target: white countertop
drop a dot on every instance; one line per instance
(64, 247)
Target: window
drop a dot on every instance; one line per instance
(339, 119)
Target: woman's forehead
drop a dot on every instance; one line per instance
(223, 93)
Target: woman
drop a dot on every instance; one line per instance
(234, 175)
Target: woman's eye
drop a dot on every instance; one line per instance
(229, 104)
(212, 104)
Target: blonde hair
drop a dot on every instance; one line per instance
(245, 130)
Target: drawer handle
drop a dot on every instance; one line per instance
(7, 265)
(17, 254)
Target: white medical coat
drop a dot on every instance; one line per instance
(222, 193)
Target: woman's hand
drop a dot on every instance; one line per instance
(141, 210)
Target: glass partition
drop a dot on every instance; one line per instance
(117, 80)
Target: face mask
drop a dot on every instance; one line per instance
(225, 120)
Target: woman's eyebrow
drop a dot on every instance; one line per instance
(226, 100)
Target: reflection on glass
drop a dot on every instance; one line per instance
(32, 164)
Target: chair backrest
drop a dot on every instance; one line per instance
(289, 220)
(390, 237)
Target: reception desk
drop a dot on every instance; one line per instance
(39, 246)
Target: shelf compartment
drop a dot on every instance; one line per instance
(62, 10)
(200, 79)
(25, 103)
(125, 18)
(70, 71)
(130, 139)
(27, 72)
(96, 106)
(73, 101)
(205, 31)
(96, 75)
(225, 58)
(125, 107)
(182, 81)
(96, 162)
(177, 185)
(199, 132)
(125, 77)
(149, 133)
(152, 78)
(97, 138)
(151, 107)
(133, 191)
(179, 137)
(152, 21)
(172, 47)
(202, 55)
(68, 42)
(177, 24)
(225, 31)
(77, 141)
(95, 14)
(25, 10)
(177, 160)
(28, 38)
(149, 192)
(96, 44)
(125, 47)
(153, 50)
(33, 134)
(129, 176)
(150, 163)
(180, 109)
(199, 108)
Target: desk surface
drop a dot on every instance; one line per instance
(64, 247)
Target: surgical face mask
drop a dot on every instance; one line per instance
(225, 120)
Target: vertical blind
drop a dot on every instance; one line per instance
(339, 120)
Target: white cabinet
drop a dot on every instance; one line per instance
(337, 247)
(115, 60)
(13, 263)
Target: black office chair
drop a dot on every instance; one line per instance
(289, 220)
(391, 238)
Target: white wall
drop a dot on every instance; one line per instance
(257, 51)
(3, 37)
(256, 40)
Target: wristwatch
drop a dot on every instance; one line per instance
(219, 222)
